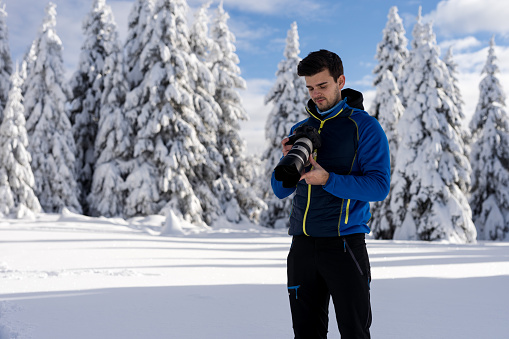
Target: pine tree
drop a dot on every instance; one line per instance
(114, 134)
(199, 40)
(239, 171)
(391, 54)
(87, 85)
(167, 150)
(51, 143)
(16, 178)
(26, 65)
(209, 188)
(490, 156)
(138, 36)
(432, 171)
(5, 60)
(455, 93)
(389, 111)
(288, 96)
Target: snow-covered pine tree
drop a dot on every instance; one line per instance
(167, 150)
(432, 171)
(210, 187)
(87, 86)
(26, 66)
(199, 40)
(455, 93)
(17, 179)
(239, 171)
(5, 59)
(6, 196)
(389, 111)
(490, 156)
(391, 54)
(51, 143)
(114, 134)
(289, 96)
(138, 36)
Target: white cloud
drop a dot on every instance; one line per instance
(460, 44)
(365, 81)
(288, 7)
(471, 16)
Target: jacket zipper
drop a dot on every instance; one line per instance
(322, 122)
(347, 211)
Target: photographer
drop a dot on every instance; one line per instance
(349, 167)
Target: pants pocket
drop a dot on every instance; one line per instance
(353, 256)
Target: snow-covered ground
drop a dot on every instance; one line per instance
(69, 276)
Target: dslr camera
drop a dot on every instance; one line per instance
(304, 140)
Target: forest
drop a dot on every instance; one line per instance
(151, 126)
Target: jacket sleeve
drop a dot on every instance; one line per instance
(375, 165)
(279, 190)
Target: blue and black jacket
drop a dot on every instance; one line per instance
(355, 152)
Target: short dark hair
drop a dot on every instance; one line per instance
(320, 60)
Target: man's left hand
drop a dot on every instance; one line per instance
(317, 176)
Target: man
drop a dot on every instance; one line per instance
(330, 212)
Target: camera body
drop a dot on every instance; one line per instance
(305, 141)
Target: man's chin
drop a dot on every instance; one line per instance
(323, 108)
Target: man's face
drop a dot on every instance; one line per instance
(324, 91)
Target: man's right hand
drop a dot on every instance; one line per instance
(286, 148)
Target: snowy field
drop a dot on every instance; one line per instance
(69, 276)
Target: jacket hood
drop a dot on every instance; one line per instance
(353, 98)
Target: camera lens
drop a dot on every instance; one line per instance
(290, 167)
(305, 140)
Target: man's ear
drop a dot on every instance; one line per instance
(341, 81)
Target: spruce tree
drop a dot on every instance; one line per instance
(199, 40)
(490, 156)
(114, 134)
(5, 60)
(389, 111)
(138, 36)
(16, 177)
(289, 96)
(167, 150)
(391, 54)
(455, 93)
(432, 172)
(51, 142)
(239, 171)
(209, 188)
(88, 88)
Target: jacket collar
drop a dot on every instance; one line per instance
(351, 99)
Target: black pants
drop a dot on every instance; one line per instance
(319, 268)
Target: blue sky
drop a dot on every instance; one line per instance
(351, 29)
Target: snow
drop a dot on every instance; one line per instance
(71, 276)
